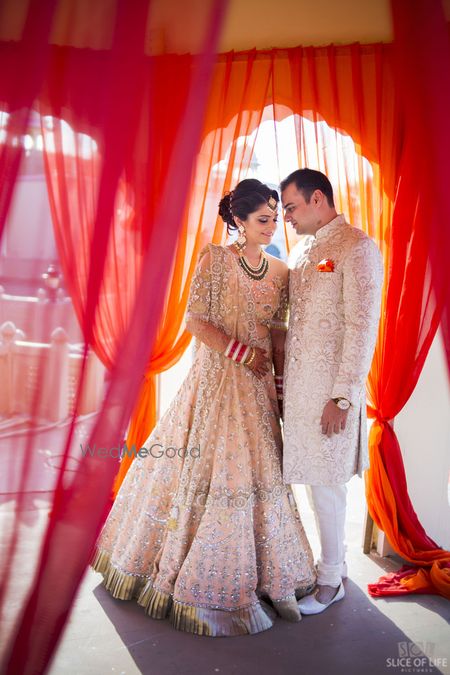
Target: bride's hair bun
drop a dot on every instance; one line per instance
(225, 210)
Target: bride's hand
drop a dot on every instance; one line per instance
(260, 364)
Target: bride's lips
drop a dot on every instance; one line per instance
(267, 235)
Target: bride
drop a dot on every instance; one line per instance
(204, 531)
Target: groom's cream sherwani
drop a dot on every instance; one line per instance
(332, 331)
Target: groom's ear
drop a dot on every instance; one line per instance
(317, 197)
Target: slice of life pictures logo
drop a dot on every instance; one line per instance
(416, 657)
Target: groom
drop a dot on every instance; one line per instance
(334, 296)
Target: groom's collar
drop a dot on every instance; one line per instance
(330, 227)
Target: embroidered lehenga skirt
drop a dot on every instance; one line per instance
(203, 528)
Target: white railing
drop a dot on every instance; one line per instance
(47, 373)
(34, 313)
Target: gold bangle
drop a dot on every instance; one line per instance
(251, 359)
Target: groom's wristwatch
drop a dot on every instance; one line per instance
(342, 403)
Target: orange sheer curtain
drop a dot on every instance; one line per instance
(337, 95)
(238, 86)
(316, 84)
(353, 90)
(73, 167)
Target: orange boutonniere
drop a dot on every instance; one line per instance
(325, 265)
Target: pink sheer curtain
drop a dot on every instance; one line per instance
(73, 168)
(20, 84)
(116, 92)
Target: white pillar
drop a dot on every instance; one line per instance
(56, 378)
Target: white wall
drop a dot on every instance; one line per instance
(423, 430)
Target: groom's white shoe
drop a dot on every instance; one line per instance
(310, 604)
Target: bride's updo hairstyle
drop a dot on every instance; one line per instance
(248, 196)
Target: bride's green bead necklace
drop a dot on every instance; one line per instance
(257, 273)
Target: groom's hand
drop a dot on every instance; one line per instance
(333, 419)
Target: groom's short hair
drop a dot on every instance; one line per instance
(307, 181)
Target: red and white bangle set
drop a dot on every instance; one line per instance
(279, 386)
(239, 352)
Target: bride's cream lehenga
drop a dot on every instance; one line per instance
(201, 536)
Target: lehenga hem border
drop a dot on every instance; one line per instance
(121, 585)
(219, 623)
(189, 618)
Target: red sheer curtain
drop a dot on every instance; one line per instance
(418, 285)
(73, 167)
(117, 93)
(356, 90)
(353, 89)
(350, 88)
(20, 85)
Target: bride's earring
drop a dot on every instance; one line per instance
(242, 239)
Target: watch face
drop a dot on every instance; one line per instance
(343, 405)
